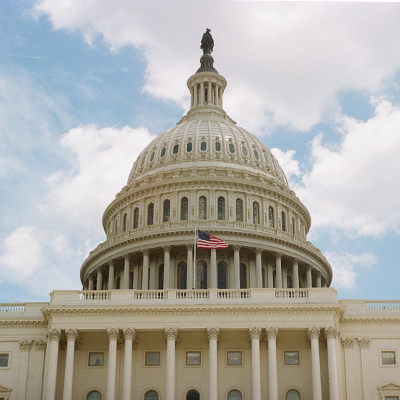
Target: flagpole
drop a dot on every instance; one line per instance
(194, 257)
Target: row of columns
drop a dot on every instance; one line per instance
(280, 279)
(214, 94)
(255, 334)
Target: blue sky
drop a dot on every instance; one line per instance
(84, 86)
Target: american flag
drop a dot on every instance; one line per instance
(206, 241)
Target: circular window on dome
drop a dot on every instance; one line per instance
(217, 146)
(203, 146)
(231, 148)
(175, 149)
(189, 147)
(256, 154)
(152, 156)
(163, 151)
(244, 151)
(266, 158)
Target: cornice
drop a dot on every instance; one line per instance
(370, 320)
(23, 322)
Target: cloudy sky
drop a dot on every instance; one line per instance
(85, 85)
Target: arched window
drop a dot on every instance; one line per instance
(161, 277)
(221, 208)
(163, 151)
(175, 149)
(150, 214)
(182, 276)
(167, 210)
(151, 395)
(234, 395)
(189, 147)
(192, 395)
(231, 147)
(271, 217)
(202, 207)
(184, 209)
(125, 224)
(239, 210)
(201, 275)
(292, 395)
(93, 395)
(256, 213)
(283, 216)
(136, 218)
(217, 146)
(222, 275)
(203, 146)
(243, 276)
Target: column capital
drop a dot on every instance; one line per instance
(364, 342)
(71, 334)
(129, 333)
(295, 260)
(126, 257)
(212, 333)
(331, 332)
(40, 345)
(167, 249)
(55, 334)
(272, 332)
(113, 333)
(171, 333)
(278, 255)
(309, 268)
(111, 263)
(236, 247)
(255, 333)
(258, 250)
(25, 344)
(189, 247)
(348, 343)
(145, 252)
(314, 332)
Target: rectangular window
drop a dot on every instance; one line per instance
(234, 358)
(391, 397)
(193, 358)
(4, 360)
(292, 358)
(96, 359)
(152, 359)
(388, 358)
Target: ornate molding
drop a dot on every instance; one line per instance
(129, 333)
(314, 332)
(272, 332)
(167, 249)
(331, 332)
(71, 334)
(212, 333)
(113, 333)
(25, 345)
(40, 345)
(364, 342)
(55, 334)
(348, 343)
(255, 333)
(171, 333)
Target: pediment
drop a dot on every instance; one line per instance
(4, 389)
(389, 386)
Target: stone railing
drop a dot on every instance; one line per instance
(17, 307)
(194, 296)
(382, 304)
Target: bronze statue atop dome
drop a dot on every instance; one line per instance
(207, 42)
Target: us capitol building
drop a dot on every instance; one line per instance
(160, 319)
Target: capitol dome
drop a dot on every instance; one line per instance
(206, 173)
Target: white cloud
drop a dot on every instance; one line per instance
(288, 163)
(345, 266)
(100, 163)
(354, 186)
(285, 62)
(23, 254)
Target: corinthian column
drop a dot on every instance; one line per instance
(213, 269)
(213, 363)
(272, 334)
(259, 282)
(129, 335)
(331, 334)
(127, 266)
(167, 261)
(189, 270)
(313, 333)
(113, 334)
(145, 272)
(278, 271)
(236, 263)
(255, 334)
(25, 347)
(54, 336)
(71, 335)
(171, 334)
